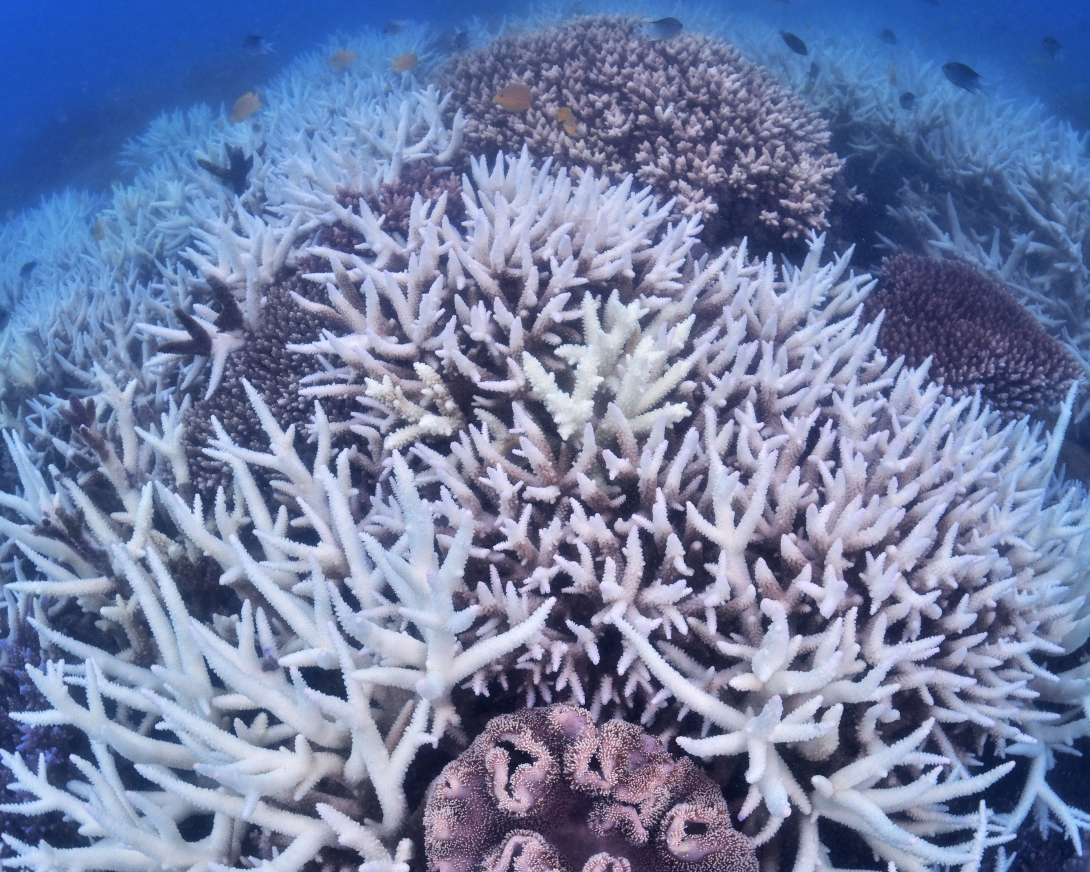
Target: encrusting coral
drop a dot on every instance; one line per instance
(687, 116)
(550, 788)
(556, 452)
(978, 337)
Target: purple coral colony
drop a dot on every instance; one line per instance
(507, 463)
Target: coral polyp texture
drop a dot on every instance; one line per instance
(688, 116)
(548, 789)
(978, 337)
(290, 491)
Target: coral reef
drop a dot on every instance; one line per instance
(550, 787)
(680, 463)
(977, 336)
(687, 116)
(290, 493)
(995, 183)
(588, 466)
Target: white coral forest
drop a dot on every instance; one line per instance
(582, 462)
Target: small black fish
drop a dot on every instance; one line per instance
(962, 75)
(461, 40)
(887, 36)
(393, 27)
(663, 28)
(1051, 45)
(27, 268)
(257, 45)
(814, 70)
(794, 43)
(908, 100)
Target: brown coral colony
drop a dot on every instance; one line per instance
(545, 789)
(692, 119)
(979, 338)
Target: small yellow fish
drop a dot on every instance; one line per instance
(404, 63)
(341, 59)
(514, 97)
(565, 117)
(245, 106)
(892, 75)
(98, 230)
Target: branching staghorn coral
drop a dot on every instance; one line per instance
(719, 465)
(107, 275)
(303, 737)
(590, 465)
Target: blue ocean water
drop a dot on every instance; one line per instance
(81, 78)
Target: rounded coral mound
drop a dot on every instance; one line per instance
(687, 116)
(979, 338)
(548, 787)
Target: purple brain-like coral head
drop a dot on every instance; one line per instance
(545, 789)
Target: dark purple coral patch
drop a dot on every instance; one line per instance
(547, 789)
(979, 338)
(54, 744)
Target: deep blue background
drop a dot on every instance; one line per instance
(78, 78)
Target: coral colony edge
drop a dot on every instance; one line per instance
(488, 467)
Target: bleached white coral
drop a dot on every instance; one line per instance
(588, 464)
(260, 771)
(730, 471)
